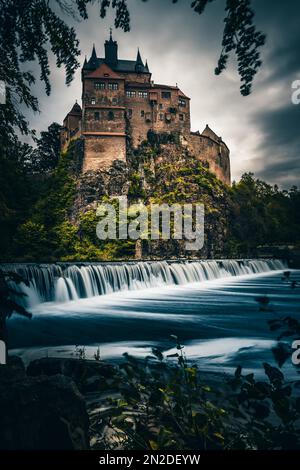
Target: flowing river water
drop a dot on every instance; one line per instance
(130, 307)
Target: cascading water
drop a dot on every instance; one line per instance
(64, 282)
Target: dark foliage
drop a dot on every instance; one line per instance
(165, 404)
(8, 300)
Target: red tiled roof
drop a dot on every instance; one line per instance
(104, 71)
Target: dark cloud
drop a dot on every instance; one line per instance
(261, 130)
(280, 156)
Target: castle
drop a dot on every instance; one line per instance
(120, 102)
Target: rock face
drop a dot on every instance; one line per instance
(40, 412)
(93, 185)
(87, 374)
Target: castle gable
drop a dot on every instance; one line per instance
(104, 71)
(208, 132)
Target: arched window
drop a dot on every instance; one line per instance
(111, 116)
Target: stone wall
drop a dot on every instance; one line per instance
(101, 151)
(216, 154)
(161, 115)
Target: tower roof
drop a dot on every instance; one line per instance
(76, 109)
(111, 59)
(92, 63)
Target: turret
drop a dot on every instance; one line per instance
(93, 61)
(139, 66)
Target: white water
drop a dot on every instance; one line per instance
(63, 283)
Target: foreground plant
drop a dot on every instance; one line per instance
(158, 404)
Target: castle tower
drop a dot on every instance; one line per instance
(103, 120)
(111, 51)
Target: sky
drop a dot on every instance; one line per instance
(261, 130)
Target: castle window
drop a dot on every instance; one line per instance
(130, 94)
(129, 113)
(97, 116)
(110, 116)
(99, 86)
(142, 114)
(143, 94)
(161, 106)
(113, 86)
(161, 117)
(181, 117)
(115, 101)
(182, 102)
(93, 100)
(166, 95)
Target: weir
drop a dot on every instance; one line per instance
(65, 282)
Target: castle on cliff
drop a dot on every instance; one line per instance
(120, 101)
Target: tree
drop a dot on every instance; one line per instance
(8, 303)
(45, 157)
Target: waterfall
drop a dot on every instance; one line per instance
(65, 282)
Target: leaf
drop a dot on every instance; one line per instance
(153, 445)
(158, 354)
(281, 353)
(273, 374)
(238, 372)
(219, 436)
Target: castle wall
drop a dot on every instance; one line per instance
(104, 124)
(101, 151)
(162, 115)
(71, 129)
(169, 116)
(135, 77)
(103, 97)
(139, 125)
(216, 154)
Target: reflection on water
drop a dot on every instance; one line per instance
(218, 321)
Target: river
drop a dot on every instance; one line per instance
(210, 305)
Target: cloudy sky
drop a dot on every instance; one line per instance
(262, 130)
